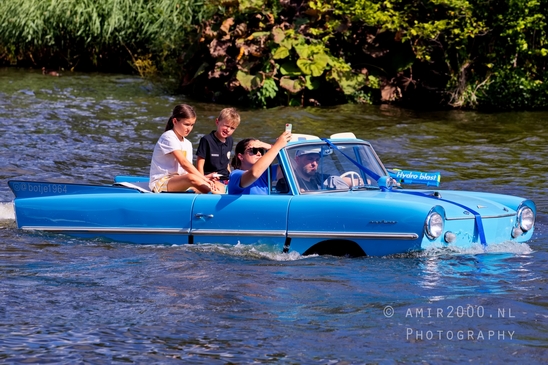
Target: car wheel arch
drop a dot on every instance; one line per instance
(336, 247)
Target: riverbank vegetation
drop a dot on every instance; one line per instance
(263, 53)
(97, 35)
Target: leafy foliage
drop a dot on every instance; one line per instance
(260, 97)
(507, 66)
(248, 43)
(472, 54)
(264, 53)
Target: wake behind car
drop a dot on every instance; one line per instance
(326, 196)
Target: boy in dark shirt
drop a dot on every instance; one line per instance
(213, 154)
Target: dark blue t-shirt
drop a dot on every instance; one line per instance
(215, 153)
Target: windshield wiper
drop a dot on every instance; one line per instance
(364, 187)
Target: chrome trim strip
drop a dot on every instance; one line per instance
(236, 232)
(471, 216)
(106, 230)
(360, 235)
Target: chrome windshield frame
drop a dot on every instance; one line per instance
(333, 163)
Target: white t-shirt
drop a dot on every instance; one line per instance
(163, 162)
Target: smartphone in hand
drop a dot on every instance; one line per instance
(288, 127)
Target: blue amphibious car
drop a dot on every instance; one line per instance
(358, 209)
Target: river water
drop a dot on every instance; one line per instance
(67, 301)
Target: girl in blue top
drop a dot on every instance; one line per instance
(251, 160)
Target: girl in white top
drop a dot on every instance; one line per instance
(171, 168)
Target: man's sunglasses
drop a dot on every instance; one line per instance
(254, 150)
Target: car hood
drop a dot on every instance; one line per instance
(457, 205)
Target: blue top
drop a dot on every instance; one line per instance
(260, 186)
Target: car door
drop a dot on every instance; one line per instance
(245, 219)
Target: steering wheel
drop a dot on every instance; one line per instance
(353, 175)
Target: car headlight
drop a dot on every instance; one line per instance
(526, 218)
(434, 225)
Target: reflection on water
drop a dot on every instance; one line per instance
(66, 300)
(464, 274)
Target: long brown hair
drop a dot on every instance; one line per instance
(240, 148)
(181, 111)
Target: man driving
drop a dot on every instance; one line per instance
(308, 177)
(305, 165)
(306, 169)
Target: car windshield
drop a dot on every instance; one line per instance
(320, 167)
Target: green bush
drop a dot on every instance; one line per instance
(511, 91)
(265, 53)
